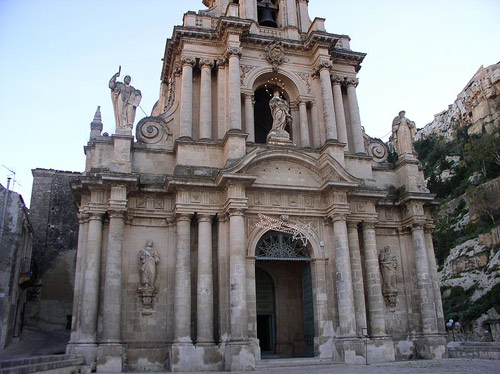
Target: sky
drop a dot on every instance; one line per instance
(57, 56)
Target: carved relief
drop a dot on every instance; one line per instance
(275, 54)
(148, 260)
(244, 70)
(306, 77)
(276, 199)
(234, 51)
(375, 148)
(388, 266)
(153, 130)
(140, 203)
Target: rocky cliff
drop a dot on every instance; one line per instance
(460, 153)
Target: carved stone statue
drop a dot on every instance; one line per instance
(281, 118)
(403, 131)
(388, 266)
(125, 100)
(148, 260)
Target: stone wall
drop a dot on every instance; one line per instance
(54, 216)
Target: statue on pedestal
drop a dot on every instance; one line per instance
(148, 259)
(125, 100)
(403, 132)
(388, 266)
(280, 111)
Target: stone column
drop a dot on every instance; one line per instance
(357, 132)
(326, 92)
(234, 97)
(182, 299)
(113, 279)
(249, 118)
(323, 327)
(206, 98)
(223, 262)
(221, 98)
(186, 120)
(305, 22)
(205, 303)
(304, 126)
(315, 125)
(357, 276)
(339, 109)
(237, 275)
(374, 285)
(347, 318)
(90, 295)
(438, 303)
(79, 275)
(424, 282)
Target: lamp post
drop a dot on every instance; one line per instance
(364, 332)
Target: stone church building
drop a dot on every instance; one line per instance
(251, 216)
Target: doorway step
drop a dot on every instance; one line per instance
(290, 362)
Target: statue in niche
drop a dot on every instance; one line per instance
(125, 100)
(280, 111)
(388, 266)
(148, 259)
(403, 132)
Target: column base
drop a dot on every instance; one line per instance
(239, 356)
(86, 350)
(189, 357)
(361, 351)
(110, 358)
(431, 347)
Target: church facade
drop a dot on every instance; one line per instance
(251, 216)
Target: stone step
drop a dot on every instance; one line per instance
(291, 362)
(23, 365)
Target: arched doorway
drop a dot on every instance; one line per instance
(285, 317)
(262, 115)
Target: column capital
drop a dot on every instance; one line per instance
(183, 217)
(115, 213)
(188, 61)
(234, 51)
(368, 224)
(221, 62)
(236, 212)
(351, 81)
(222, 217)
(83, 217)
(205, 217)
(206, 63)
(417, 225)
(337, 79)
(95, 216)
(303, 102)
(323, 64)
(353, 224)
(338, 217)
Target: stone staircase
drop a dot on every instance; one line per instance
(268, 363)
(53, 364)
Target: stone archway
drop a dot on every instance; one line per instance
(284, 297)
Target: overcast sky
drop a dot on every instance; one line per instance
(57, 56)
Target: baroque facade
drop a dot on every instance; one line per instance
(252, 216)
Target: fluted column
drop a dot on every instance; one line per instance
(249, 117)
(90, 295)
(304, 126)
(186, 120)
(79, 275)
(234, 97)
(357, 132)
(237, 275)
(182, 306)
(438, 303)
(316, 133)
(205, 303)
(374, 285)
(223, 262)
(113, 279)
(357, 276)
(326, 92)
(347, 318)
(339, 108)
(206, 98)
(424, 282)
(221, 97)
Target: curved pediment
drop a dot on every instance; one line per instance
(290, 169)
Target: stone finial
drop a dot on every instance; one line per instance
(96, 124)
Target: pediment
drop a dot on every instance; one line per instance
(291, 170)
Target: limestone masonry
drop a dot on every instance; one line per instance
(251, 216)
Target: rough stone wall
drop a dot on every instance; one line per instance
(54, 216)
(15, 244)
